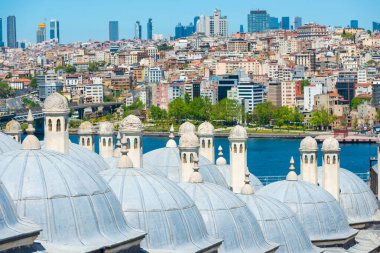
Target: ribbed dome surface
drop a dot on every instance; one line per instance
(13, 127)
(8, 144)
(71, 203)
(316, 209)
(167, 161)
(89, 158)
(160, 207)
(279, 224)
(228, 218)
(12, 228)
(356, 198)
(226, 172)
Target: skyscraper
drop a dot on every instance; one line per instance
(149, 29)
(354, 24)
(11, 32)
(113, 30)
(138, 30)
(285, 23)
(54, 30)
(258, 21)
(376, 26)
(41, 33)
(297, 22)
(273, 23)
(1, 33)
(196, 18)
(216, 25)
(179, 31)
(241, 30)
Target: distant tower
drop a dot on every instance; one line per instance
(54, 30)
(378, 170)
(113, 30)
(41, 33)
(1, 33)
(56, 112)
(105, 133)
(196, 19)
(13, 129)
(188, 151)
(138, 31)
(131, 127)
(241, 29)
(86, 135)
(354, 24)
(238, 157)
(309, 160)
(297, 22)
(206, 141)
(149, 29)
(11, 32)
(331, 167)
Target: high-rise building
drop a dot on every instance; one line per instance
(241, 30)
(149, 29)
(138, 30)
(297, 22)
(196, 19)
(376, 26)
(11, 32)
(54, 30)
(41, 33)
(217, 25)
(285, 23)
(354, 24)
(273, 23)
(1, 33)
(113, 30)
(258, 21)
(182, 31)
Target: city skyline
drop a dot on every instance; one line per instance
(84, 27)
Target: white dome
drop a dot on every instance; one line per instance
(188, 140)
(13, 127)
(228, 218)
(131, 123)
(158, 206)
(73, 205)
(8, 144)
(14, 232)
(105, 128)
(186, 127)
(279, 224)
(308, 144)
(86, 128)
(206, 129)
(356, 198)
(167, 162)
(330, 144)
(56, 103)
(238, 132)
(317, 210)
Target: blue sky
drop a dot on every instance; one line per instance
(81, 20)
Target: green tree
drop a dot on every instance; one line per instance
(33, 83)
(70, 69)
(228, 110)
(357, 101)
(9, 75)
(187, 98)
(5, 90)
(200, 109)
(93, 66)
(321, 118)
(304, 83)
(157, 113)
(178, 109)
(263, 113)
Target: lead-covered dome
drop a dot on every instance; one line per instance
(12, 127)
(105, 128)
(330, 144)
(226, 172)
(188, 140)
(356, 198)
(14, 231)
(85, 128)
(228, 218)
(186, 127)
(206, 129)
(8, 144)
(317, 210)
(131, 123)
(167, 162)
(308, 144)
(238, 132)
(158, 206)
(74, 206)
(55, 102)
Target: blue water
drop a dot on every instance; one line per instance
(270, 157)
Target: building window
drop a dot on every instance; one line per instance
(58, 125)
(88, 142)
(104, 142)
(50, 125)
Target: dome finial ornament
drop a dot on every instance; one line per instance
(118, 143)
(171, 142)
(196, 177)
(247, 188)
(30, 142)
(292, 175)
(125, 162)
(220, 161)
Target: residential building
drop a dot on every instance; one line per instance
(297, 23)
(113, 29)
(41, 33)
(362, 76)
(309, 95)
(154, 75)
(237, 45)
(46, 89)
(274, 93)
(311, 31)
(354, 24)
(54, 30)
(285, 23)
(288, 93)
(258, 21)
(345, 85)
(11, 32)
(93, 93)
(149, 29)
(138, 35)
(376, 93)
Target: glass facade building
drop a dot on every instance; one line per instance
(1, 33)
(354, 24)
(297, 22)
(54, 30)
(138, 31)
(273, 23)
(149, 29)
(258, 21)
(285, 23)
(376, 26)
(113, 30)
(11, 32)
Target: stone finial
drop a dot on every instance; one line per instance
(196, 177)
(221, 160)
(247, 188)
(30, 142)
(171, 142)
(124, 162)
(292, 175)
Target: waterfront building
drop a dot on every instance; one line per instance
(138, 32)
(54, 30)
(354, 24)
(1, 33)
(258, 21)
(285, 23)
(149, 29)
(250, 93)
(113, 29)
(310, 92)
(41, 33)
(11, 32)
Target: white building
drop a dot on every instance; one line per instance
(216, 25)
(362, 76)
(154, 75)
(250, 93)
(93, 93)
(309, 92)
